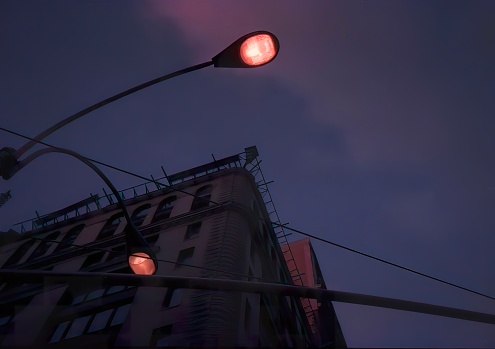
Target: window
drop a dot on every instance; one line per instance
(95, 294)
(90, 323)
(162, 335)
(110, 226)
(93, 259)
(77, 298)
(44, 246)
(70, 237)
(117, 252)
(120, 315)
(164, 209)
(193, 231)
(115, 289)
(139, 215)
(202, 198)
(19, 253)
(172, 298)
(78, 326)
(100, 320)
(185, 257)
(59, 332)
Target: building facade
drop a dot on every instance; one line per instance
(321, 315)
(212, 222)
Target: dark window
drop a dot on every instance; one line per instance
(90, 323)
(100, 320)
(139, 215)
(162, 335)
(120, 315)
(115, 289)
(110, 226)
(44, 246)
(172, 298)
(193, 231)
(70, 237)
(78, 326)
(19, 253)
(117, 252)
(202, 198)
(164, 209)
(76, 297)
(185, 257)
(59, 332)
(93, 259)
(95, 294)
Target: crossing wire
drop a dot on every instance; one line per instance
(274, 224)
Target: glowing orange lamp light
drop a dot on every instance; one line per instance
(141, 257)
(258, 50)
(251, 50)
(142, 264)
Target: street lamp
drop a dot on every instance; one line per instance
(250, 51)
(141, 258)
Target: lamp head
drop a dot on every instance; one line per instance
(141, 258)
(250, 51)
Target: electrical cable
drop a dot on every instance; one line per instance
(284, 226)
(384, 261)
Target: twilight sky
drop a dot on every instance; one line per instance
(376, 123)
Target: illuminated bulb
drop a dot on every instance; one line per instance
(258, 50)
(141, 264)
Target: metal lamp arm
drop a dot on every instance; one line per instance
(214, 284)
(44, 151)
(100, 104)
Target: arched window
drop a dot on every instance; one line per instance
(139, 215)
(110, 226)
(164, 209)
(44, 246)
(19, 253)
(202, 198)
(70, 237)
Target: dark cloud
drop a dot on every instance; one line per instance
(375, 121)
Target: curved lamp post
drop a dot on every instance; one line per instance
(252, 50)
(141, 258)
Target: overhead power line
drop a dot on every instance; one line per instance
(384, 261)
(284, 226)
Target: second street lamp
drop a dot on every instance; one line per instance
(140, 256)
(250, 51)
